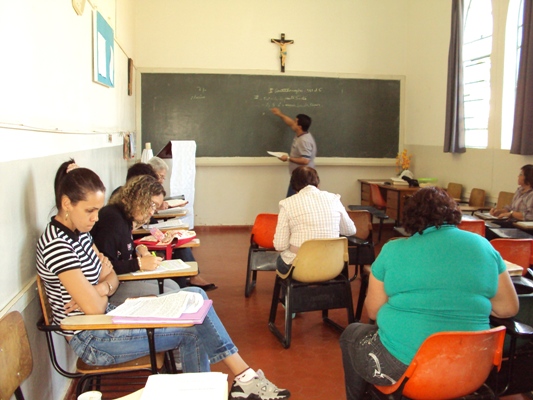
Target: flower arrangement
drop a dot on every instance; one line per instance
(403, 160)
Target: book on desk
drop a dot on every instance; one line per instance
(179, 307)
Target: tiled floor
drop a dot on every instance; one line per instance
(311, 368)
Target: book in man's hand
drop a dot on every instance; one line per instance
(179, 307)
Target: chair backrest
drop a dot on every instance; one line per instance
(16, 362)
(517, 251)
(319, 260)
(477, 198)
(473, 225)
(504, 199)
(377, 197)
(362, 220)
(455, 190)
(449, 365)
(264, 229)
(45, 304)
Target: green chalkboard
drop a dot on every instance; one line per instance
(228, 115)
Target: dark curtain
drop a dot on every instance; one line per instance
(523, 116)
(454, 135)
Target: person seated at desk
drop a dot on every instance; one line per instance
(77, 283)
(130, 207)
(161, 169)
(521, 207)
(185, 254)
(440, 279)
(309, 214)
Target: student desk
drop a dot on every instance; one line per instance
(394, 196)
(161, 276)
(170, 213)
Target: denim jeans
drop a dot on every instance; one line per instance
(365, 359)
(198, 345)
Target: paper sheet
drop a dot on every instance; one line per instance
(277, 153)
(171, 305)
(190, 386)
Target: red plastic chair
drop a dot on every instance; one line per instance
(517, 251)
(473, 225)
(449, 365)
(377, 198)
(261, 254)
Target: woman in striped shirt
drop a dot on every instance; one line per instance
(79, 280)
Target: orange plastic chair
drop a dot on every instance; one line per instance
(517, 251)
(377, 198)
(449, 365)
(473, 225)
(261, 254)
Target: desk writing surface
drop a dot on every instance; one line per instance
(192, 271)
(103, 321)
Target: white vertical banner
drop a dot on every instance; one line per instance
(182, 178)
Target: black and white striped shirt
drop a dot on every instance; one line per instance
(59, 250)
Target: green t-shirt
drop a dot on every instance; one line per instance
(441, 280)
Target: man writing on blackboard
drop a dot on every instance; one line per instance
(303, 149)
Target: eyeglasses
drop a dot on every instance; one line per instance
(154, 206)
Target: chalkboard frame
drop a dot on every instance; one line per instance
(271, 161)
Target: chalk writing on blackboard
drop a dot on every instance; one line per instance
(227, 114)
(289, 97)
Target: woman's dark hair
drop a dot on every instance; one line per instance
(75, 184)
(430, 206)
(304, 176)
(527, 170)
(139, 169)
(137, 195)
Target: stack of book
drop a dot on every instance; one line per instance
(399, 182)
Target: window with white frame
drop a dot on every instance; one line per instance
(513, 44)
(477, 48)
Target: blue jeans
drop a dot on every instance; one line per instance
(199, 345)
(365, 359)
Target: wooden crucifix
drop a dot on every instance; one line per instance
(282, 43)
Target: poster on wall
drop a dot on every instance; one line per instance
(103, 51)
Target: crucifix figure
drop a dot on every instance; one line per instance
(282, 43)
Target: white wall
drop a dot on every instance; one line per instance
(51, 110)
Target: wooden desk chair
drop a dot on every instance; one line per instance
(361, 253)
(476, 202)
(261, 254)
(90, 375)
(517, 251)
(16, 362)
(455, 190)
(449, 365)
(504, 199)
(316, 281)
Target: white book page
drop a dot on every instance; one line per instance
(169, 306)
(190, 386)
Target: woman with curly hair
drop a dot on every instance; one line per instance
(130, 207)
(439, 279)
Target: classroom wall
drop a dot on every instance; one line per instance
(51, 110)
(407, 38)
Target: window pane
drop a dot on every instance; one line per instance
(477, 48)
